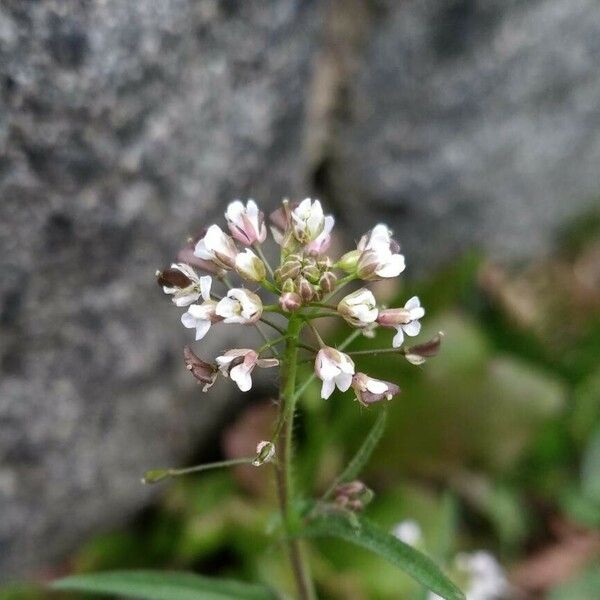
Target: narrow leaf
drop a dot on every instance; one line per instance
(369, 536)
(362, 456)
(163, 585)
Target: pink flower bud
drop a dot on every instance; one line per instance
(246, 224)
(305, 289)
(290, 301)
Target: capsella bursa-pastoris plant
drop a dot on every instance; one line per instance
(222, 279)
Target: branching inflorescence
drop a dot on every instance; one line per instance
(305, 283)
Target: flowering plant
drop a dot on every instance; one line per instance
(306, 286)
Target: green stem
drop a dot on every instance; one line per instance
(377, 351)
(263, 258)
(156, 475)
(285, 491)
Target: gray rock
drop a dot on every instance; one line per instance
(125, 126)
(469, 123)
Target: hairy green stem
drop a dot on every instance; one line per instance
(285, 490)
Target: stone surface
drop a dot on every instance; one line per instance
(124, 126)
(473, 123)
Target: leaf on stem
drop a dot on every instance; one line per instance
(362, 456)
(367, 535)
(163, 585)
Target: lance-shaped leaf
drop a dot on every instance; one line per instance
(362, 456)
(369, 536)
(163, 585)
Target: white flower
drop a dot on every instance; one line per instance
(322, 241)
(408, 532)
(487, 580)
(180, 281)
(201, 316)
(218, 247)
(249, 266)
(240, 306)
(404, 320)
(308, 221)
(370, 390)
(247, 225)
(239, 363)
(359, 308)
(380, 257)
(333, 368)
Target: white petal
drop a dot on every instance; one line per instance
(413, 302)
(234, 211)
(227, 307)
(398, 338)
(188, 320)
(327, 388)
(343, 381)
(201, 251)
(241, 375)
(186, 300)
(202, 328)
(375, 386)
(205, 285)
(413, 328)
(327, 368)
(393, 267)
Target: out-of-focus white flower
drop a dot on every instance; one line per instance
(359, 308)
(333, 368)
(201, 316)
(265, 452)
(181, 282)
(323, 240)
(404, 320)
(409, 532)
(370, 390)
(240, 306)
(218, 247)
(486, 577)
(246, 224)
(379, 255)
(239, 363)
(249, 266)
(308, 221)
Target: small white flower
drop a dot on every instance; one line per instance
(265, 452)
(380, 257)
(333, 368)
(201, 316)
(239, 363)
(370, 390)
(246, 224)
(359, 308)
(308, 221)
(218, 247)
(249, 266)
(240, 306)
(409, 532)
(487, 580)
(181, 282)
(404, 320)
(322, 241)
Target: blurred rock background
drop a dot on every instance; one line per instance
(125, 126)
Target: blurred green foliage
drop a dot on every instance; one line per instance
(485, 445)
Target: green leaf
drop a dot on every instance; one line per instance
(372, 538)
(362, 456)
(163, 585)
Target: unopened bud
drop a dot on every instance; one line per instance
(349, 261)
(265, 452)
(391, 317)
(305, 289)
(419, 353)
(288, 286)
(312, 273)
(249, 266)
(290, 301)
(155, 475)
(328, 282)
(290, 269)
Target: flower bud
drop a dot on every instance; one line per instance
(328, 282)
(312, 273)
(391, 317)
(204, 372)
(246, 224)
(359, 308)
(369, 390)
(419, 353)
(349, 261)
(305, 289)
(290, 269)
(290, 301)
(353, 496)
(288, 286)
(265, 452)
(249, 266)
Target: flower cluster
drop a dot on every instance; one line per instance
(304, 283)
